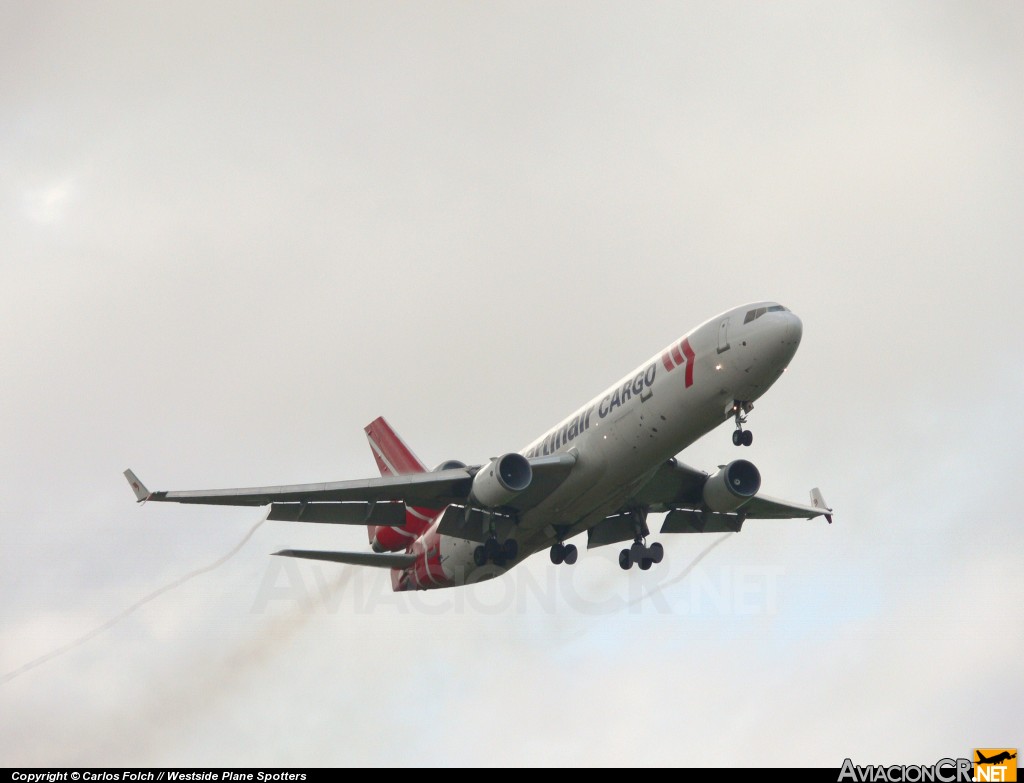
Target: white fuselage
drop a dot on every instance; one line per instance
(623, 435)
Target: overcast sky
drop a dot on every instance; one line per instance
(232, 235)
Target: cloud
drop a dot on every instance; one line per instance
(47, 205)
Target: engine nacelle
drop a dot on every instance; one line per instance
(449, 464)
(732, 486)
(500, 480)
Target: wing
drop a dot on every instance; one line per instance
(673, 485)
(763, 507)
(679, 490)
(367, 501)
(700, 519)
(430, 490)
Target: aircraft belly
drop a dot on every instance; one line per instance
(613, 460)
(457, 559)
(586, 479)
(450, 564)
(616, 458)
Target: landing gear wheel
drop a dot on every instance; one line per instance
(739, 436)
(497, 552)
(637, 552)
(625, 561)
(564, 553)
(643, 556)
(492, 549)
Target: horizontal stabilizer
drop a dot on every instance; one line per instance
(339, 513)
(353, 558)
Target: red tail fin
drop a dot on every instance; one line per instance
(394, 458)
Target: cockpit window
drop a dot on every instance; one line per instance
(753, 315)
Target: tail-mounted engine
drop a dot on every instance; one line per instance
(449, 464)
(500, 480)
(732, 486)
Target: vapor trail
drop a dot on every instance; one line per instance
(135, 606)
(196, 685)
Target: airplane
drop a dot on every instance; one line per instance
(996, 759)
(600, 471)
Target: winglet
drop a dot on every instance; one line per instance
(819, 502)
(141, 493)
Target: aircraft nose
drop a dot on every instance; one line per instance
(795, 329)
(784, 333)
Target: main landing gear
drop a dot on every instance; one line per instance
(741, 437)
(564, 553)
(494, 551)
(641, 554)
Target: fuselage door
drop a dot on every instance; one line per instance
(723, 335)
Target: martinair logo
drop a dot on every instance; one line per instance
(679, 355)
(995, 764)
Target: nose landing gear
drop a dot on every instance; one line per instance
(741, 437)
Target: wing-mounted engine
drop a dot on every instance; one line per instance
(731, 486)
(500, 480)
